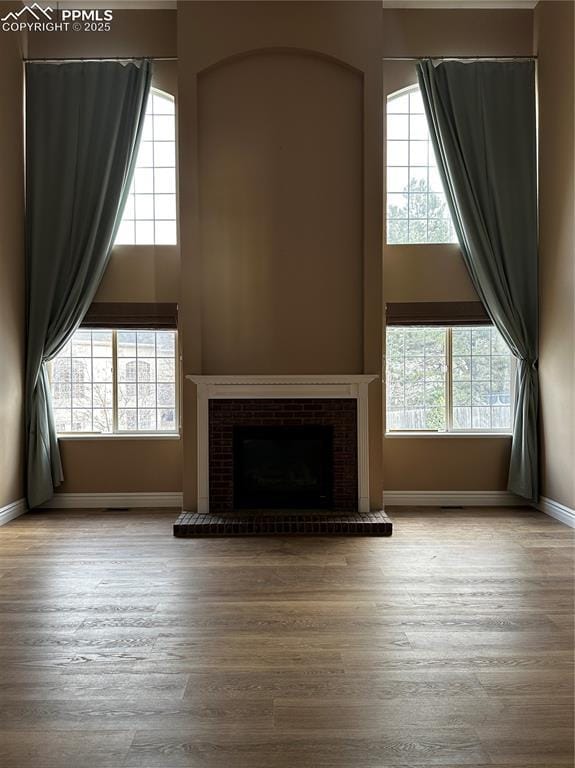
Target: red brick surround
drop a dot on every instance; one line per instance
(341, 414)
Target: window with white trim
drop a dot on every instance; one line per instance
(441, 379)
(417, 210)
(149, 216)
(116, 381)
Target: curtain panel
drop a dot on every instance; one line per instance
(482, 122)
(83, 126)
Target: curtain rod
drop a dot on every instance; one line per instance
(461, 58)
(384, 58)
(106, 58)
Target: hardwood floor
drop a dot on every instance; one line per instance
(450, 644)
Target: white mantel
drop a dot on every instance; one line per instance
(336, 386)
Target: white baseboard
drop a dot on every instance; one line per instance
(452, 499)
(13, 510)
(558, 511)
(113, 500)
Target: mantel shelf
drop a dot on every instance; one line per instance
(241, 380)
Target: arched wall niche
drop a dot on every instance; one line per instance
(280, 177)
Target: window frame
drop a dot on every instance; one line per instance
(450, 431)
(117, 433)
(406, 91)
(132, 192)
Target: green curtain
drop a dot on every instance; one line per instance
(482, 122)
(83, 126)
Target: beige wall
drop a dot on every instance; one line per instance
(281, 213)
(554, 40)
(121, 465)
(280, 157)
(446, 463)
(143, 273)
(12, 319)
(437, 272)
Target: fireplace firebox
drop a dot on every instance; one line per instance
(283, 467)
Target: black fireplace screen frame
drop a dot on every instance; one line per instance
(245, 497)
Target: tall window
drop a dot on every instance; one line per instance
(115, 381)
(149, 217)
(448, 380)
(417, 211)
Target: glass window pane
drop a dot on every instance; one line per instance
(397, 179)
(164, 128)
(398, 153)
(416, 379)
(146, 341)
(166, 233)
(165, 207)
(396, 206)
(102, 343)
(165, 180)
(127, 395)
(397, 231)
(146, 419)
(462, 418)
(166, 369)
(126, 369)
(165, 343)
(417, 231)
(81, 369)
(63, 419)
(144, 232)
(127, 419)
(397, 127)
(103, 420)
(418, 127)
(164, 154)
(166, 394)
(144, 207)
(143, 182)
(418, 153)
(102, 369)
(147, 395)
(81, 420)
(167, 419)
(126, 343)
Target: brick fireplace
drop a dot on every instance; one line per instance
(338, 404)
(338, 416)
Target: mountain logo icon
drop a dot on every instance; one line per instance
(35, 10)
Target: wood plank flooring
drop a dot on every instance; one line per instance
(450, 644)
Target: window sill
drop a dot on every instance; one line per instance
(505, 435)
(109, 436)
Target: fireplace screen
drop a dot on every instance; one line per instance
(283, 467)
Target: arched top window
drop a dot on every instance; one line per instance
(417, 211)
(149, 216)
